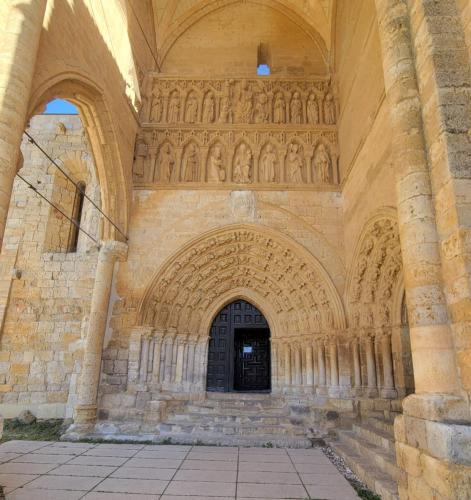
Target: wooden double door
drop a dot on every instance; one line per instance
(239, 350)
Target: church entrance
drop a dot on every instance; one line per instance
(239, 350)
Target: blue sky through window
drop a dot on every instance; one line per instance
(263, 69)
(60, 107)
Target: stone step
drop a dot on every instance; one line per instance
(248, 411)
(383, 460)
(375, 436)
(212, 438)
(240, 396)
(382, 424)
(240, 405)
(365, 468)
(170, 426)
(231, 418)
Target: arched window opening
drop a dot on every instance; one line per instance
(263, 60)
(60, 107)
(76, 216)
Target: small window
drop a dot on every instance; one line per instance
(60, 107)
(77, 217)
(263, 59)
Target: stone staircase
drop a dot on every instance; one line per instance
(368, 449)
(237, 419)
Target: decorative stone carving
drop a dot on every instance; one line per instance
(322, 165)
(191, 163)
(242, 258)
(140, 157)
(261, 108)
(156, 106)
(216, 168)
(268, 171)
(208, 108)
(296, 109)
(244, 107)
(242, 170)
(279, 109)
(191, 108)
(173, 115)
(312, 110)
(294, 164)
(329, 109)
(166, 163)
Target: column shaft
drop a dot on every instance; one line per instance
(19, 43)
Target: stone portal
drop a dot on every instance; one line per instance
(239, 350)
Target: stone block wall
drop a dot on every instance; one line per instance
(45, 294)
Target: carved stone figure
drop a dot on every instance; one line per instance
(294, 164)
(208, 109)
(243, 165)
(296, 109)
(216, 170)
(329, 110)
(191, 111)
(279, 109)
(312, 110)
(225, 113)
(322, 165)
(156, 106)
(167, 163)
(191, 167)
(268, 164)
(174, 108)
(261, 109)
(245, 105)
(140, 157)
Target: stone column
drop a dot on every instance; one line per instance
(19, 43)
(321, 367)
(356, 365)
(158, 337)
(388, 390)
(181, 342)
(287, 366)
(431, 340)
(86, 409)
(298, 375)
(334, 369)
(372, 390)
(309, 367)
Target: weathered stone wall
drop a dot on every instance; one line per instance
(45, 294)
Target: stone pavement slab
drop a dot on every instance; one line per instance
(84, 471)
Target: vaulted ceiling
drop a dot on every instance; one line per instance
(173, 17)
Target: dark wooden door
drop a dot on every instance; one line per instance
(252, 360)
(222, 356)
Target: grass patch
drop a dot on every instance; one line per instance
(366, 494)
(41, 430)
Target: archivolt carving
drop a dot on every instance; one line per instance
(287, 277)
(376, 274)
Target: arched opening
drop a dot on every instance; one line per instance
(239, 354)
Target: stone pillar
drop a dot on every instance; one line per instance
(86, 409)
(287, 366)
(388, 390)
(432, 346)
(334, 369)
(298, 374)
(158, 337)
(181, 342)
(372, 390)
(356, 365)
(321, 367)
(19, 43)
(309, 367)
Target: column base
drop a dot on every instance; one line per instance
(387, 393)
(371, 392)
(85, 414)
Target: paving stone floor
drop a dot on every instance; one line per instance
(38, 470)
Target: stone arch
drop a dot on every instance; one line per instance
(375, 272)
(193, 15)
(246, 261)
(96, 119)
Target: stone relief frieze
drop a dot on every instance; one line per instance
(225, 132)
